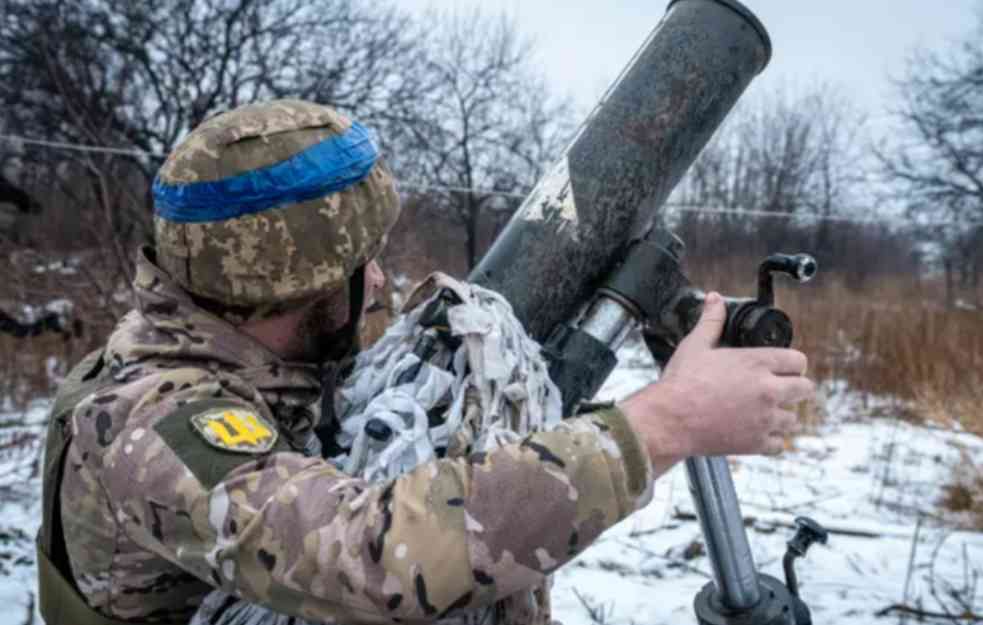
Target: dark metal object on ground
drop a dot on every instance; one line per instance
(808, 533)
(777, 607)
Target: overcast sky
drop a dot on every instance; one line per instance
(583, 44)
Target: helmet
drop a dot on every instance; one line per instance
(271, 204)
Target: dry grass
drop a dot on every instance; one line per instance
(891, 339)
(964, 494)
(894, 338)
(25, 365)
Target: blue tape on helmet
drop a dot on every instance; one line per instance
(330, 166)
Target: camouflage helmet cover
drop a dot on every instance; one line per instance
(272, 203)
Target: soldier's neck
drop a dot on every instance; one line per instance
(278, 334)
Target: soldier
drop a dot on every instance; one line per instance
(179, 458)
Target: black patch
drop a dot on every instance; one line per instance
(88, 413)
(230, 601)
(166, 387)
(233, 526)
(377, 545)
(394, 602)
(105, 399)
(85, 456)
(224, 383)
(164, 308)
(163, 583)
(456, 502)
(275, 369)
(185, 386)
(217, 393)
(190, 327)
(602, 426)
(104, 423)
(460, 602)
(421, 596)
(267, 559)
(478, 457)
(544, 454)
(344, 581)
(261, 462)
(156, 529)
(154, 284)
(216, 579)
(572, 543)
(483, 578)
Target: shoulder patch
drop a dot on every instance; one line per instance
(211, 461)
(233, 428)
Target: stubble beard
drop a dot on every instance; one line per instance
(324, 334)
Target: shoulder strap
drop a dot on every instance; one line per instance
(58, 598)
(60, 602)
(85, 378)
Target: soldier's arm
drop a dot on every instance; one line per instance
(293, 533)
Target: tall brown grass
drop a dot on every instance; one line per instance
(894, 337)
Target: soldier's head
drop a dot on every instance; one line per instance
(275, 211)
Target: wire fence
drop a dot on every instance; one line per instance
(673, 206)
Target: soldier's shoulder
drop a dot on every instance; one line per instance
(141, 402)
(207, 429)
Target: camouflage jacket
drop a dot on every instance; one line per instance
(155, 514)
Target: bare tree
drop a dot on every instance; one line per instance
(137, 76)
(936, 161)
(782, 152)
(794, 153)
(488, 120)
(140, 75)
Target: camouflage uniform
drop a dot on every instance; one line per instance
(156, 514)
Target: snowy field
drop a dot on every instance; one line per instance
(873, 481)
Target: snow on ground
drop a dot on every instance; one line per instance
(20, 512)
(871, 477)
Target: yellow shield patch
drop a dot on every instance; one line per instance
(235, 429)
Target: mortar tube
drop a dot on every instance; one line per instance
(613, 179)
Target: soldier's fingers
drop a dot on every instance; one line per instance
(785, 421)
(792, 390)
(782, 361)
(774, 445)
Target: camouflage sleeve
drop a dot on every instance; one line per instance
(293, 533)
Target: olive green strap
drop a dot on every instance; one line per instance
(61, 604)
(83, 379)
(58, 599)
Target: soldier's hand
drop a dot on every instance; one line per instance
(713, 401)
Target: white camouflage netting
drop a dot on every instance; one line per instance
(497, 388)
